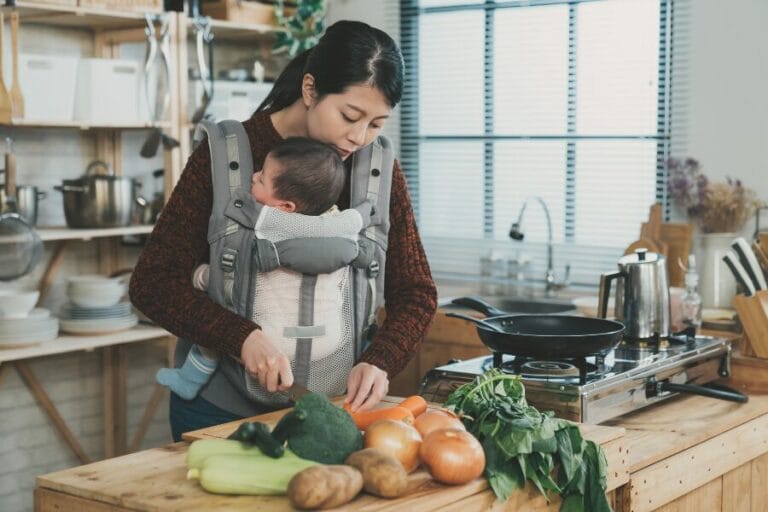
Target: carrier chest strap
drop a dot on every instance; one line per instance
(306, 318)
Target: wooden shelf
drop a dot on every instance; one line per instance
(234, 31)
(84, 125)
(48, 234)
(77, 17)
(72, 343)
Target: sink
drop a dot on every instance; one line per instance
(518, 305)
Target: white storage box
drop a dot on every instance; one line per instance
(48, 84)
(108, 91)
(231, 100)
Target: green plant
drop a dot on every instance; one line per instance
(716, 206)
(520, 444)
(303, 28)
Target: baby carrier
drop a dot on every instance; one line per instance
(236, 254)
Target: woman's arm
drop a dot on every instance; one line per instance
(409, 290)
(161, 286)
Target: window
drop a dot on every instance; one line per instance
(566, 100)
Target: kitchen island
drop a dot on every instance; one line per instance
(686, 453)
(155, 480)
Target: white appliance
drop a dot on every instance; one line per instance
(108, 91)
(45, 101)
(231, 100)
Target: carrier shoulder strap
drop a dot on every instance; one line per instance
(231, 169)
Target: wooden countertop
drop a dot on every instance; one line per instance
(155, 480)
(680, 444)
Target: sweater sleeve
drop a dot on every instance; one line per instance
(409, 291)
(161, 285)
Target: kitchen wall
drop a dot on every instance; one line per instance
(725, 125)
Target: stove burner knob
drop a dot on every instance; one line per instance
(652, 388)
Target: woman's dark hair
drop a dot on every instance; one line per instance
(349, 53)
(311, 174)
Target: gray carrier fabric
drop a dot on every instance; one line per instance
(235, 253)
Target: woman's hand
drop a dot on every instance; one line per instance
(263, 360)
(366, 386)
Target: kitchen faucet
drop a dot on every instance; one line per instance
(514, 233)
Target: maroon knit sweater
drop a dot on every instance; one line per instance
(161, 286)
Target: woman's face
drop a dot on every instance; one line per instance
(348, 121)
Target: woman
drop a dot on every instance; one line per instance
(341, 93)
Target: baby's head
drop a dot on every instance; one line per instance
(300, 175)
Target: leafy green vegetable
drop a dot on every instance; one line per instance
(521, 443)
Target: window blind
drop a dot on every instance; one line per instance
(566, 100)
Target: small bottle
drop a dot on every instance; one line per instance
(690, 303)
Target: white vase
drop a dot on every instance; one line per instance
(717, 285)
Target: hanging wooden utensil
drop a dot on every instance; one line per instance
(17, 100)
(5, 98)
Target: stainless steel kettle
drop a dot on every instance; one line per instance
(642, 295)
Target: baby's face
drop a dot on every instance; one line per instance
(263, 184)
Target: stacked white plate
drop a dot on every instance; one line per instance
(95, 291)
(79, 320)
(36, 327)
(95, 306)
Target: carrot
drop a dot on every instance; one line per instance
(415, 403)
(364, 419)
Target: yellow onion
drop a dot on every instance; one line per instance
(452, 456)
(396, 438)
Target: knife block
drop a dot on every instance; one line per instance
(753, 314)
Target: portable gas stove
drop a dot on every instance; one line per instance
(595, 389)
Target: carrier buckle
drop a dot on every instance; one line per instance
(228, 259)
(373, 269)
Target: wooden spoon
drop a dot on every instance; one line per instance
(5, 99)
(17, 100)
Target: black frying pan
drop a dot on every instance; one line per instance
(542, 336)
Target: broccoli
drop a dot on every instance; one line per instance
(318, 430)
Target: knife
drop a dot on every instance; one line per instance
(749, 262)
(297, 391)
(733, 263)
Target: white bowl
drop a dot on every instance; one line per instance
(100, 298)
(17, 303)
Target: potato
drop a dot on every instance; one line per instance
(322, 487)
(383, 475)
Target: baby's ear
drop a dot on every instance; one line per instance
(287, 206)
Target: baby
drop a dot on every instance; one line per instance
(299, 175)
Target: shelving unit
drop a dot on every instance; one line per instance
(67, 343)
(110, 29)
(48, 234)
(234, 31)
(84, 126)
(76, 17)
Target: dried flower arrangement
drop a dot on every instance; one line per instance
(718, 207)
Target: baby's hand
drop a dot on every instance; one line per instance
(200, 277)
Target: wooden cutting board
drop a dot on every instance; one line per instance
(677, 238)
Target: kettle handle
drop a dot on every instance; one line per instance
(605, 291)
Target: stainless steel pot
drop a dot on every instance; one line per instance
(98, 200)
(27, 197)
(642, 295)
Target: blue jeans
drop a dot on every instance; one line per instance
(188, 415)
